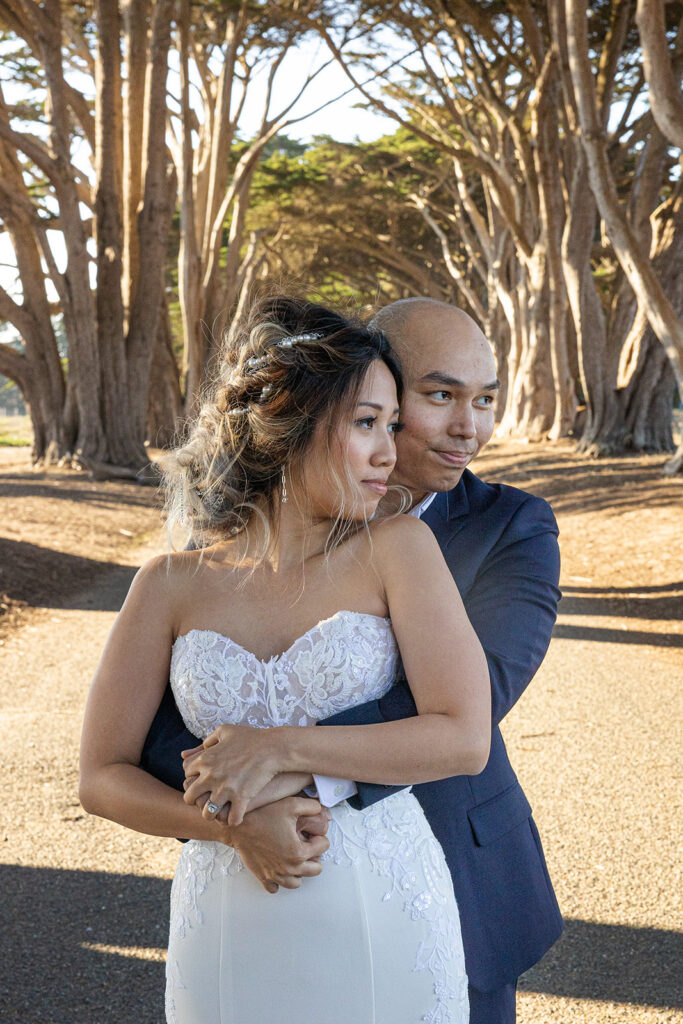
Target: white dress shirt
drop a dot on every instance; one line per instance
(332, 791)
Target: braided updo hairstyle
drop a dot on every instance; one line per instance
(296, 364)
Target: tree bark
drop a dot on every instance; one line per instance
(79, 311)
(663, 73)
(122, 449)
(136, 25)
(634, 261)
(39, 373)
(154, 225)
(165, 400)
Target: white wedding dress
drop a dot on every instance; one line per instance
(374, 939)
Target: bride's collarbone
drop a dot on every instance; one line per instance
(262, 610)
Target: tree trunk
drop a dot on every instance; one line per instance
(636, 266)
(79, 311)
(551, 214)
(136, 25)
(165, 401)
(530, 406)
(664, 85)
(122, 449)
(154, 225)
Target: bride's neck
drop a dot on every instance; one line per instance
(294, 540)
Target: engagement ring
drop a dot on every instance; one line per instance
(212, 808)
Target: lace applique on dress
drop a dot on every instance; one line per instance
(400, 847)
(342, 661)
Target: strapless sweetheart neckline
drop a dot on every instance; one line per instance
(283, 654)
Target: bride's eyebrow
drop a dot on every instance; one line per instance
(375, 405)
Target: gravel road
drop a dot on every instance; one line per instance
(596, 742)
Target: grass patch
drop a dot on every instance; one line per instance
(15, 431)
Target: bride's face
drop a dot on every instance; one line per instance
(347, 472)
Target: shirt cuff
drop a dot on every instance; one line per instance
(331, 792)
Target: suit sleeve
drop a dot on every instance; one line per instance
(167, 737)
(512, 605)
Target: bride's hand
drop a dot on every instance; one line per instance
(233, 765)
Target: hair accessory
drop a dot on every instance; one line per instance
(297, 339)
(239, 410)
(283, 497)
(254, 363)
(265, 392)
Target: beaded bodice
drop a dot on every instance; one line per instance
(342, 661)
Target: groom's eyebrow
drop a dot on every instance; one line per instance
(436, 377)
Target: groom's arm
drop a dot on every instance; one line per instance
(512, 605)
(167, 737)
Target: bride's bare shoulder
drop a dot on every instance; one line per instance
(176, 570)
(402, 542)
(402, 529)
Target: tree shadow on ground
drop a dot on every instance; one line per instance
(573, 484)
(665, 602)
(648, 603)
(105, 495)
(38, 576)
(612, 963)
(617, 636)
(53, 968)
(66, 933)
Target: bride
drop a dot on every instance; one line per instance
(295, 607)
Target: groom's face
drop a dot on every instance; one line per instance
(448, 403)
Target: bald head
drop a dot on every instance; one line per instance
(417, 328)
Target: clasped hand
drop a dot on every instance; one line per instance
(233, 765)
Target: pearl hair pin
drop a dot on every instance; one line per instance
(256, 362)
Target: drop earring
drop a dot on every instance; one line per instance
(283, 496)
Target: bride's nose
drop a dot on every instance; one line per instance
(385, 451)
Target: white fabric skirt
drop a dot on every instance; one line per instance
(374, 939)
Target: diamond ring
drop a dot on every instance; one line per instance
(213, 808)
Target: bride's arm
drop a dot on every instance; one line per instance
(448, 675)
(124, 695)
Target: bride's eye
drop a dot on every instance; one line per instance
(366, 422)
(396, 428)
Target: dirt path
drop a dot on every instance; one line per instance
(594, 739)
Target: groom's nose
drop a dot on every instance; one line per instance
(462, 421)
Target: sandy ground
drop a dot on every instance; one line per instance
(595, 740)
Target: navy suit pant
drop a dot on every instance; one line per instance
(497, 1007)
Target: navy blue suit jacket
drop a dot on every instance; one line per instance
(501, 547)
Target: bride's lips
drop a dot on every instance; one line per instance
(454, 458)
(376, 485)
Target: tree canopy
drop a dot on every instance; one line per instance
(533, 177)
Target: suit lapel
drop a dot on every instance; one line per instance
(447, 514)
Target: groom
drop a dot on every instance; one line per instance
(501, 547)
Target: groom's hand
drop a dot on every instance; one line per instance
(282, 842)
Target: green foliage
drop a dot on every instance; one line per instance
(338, 216)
